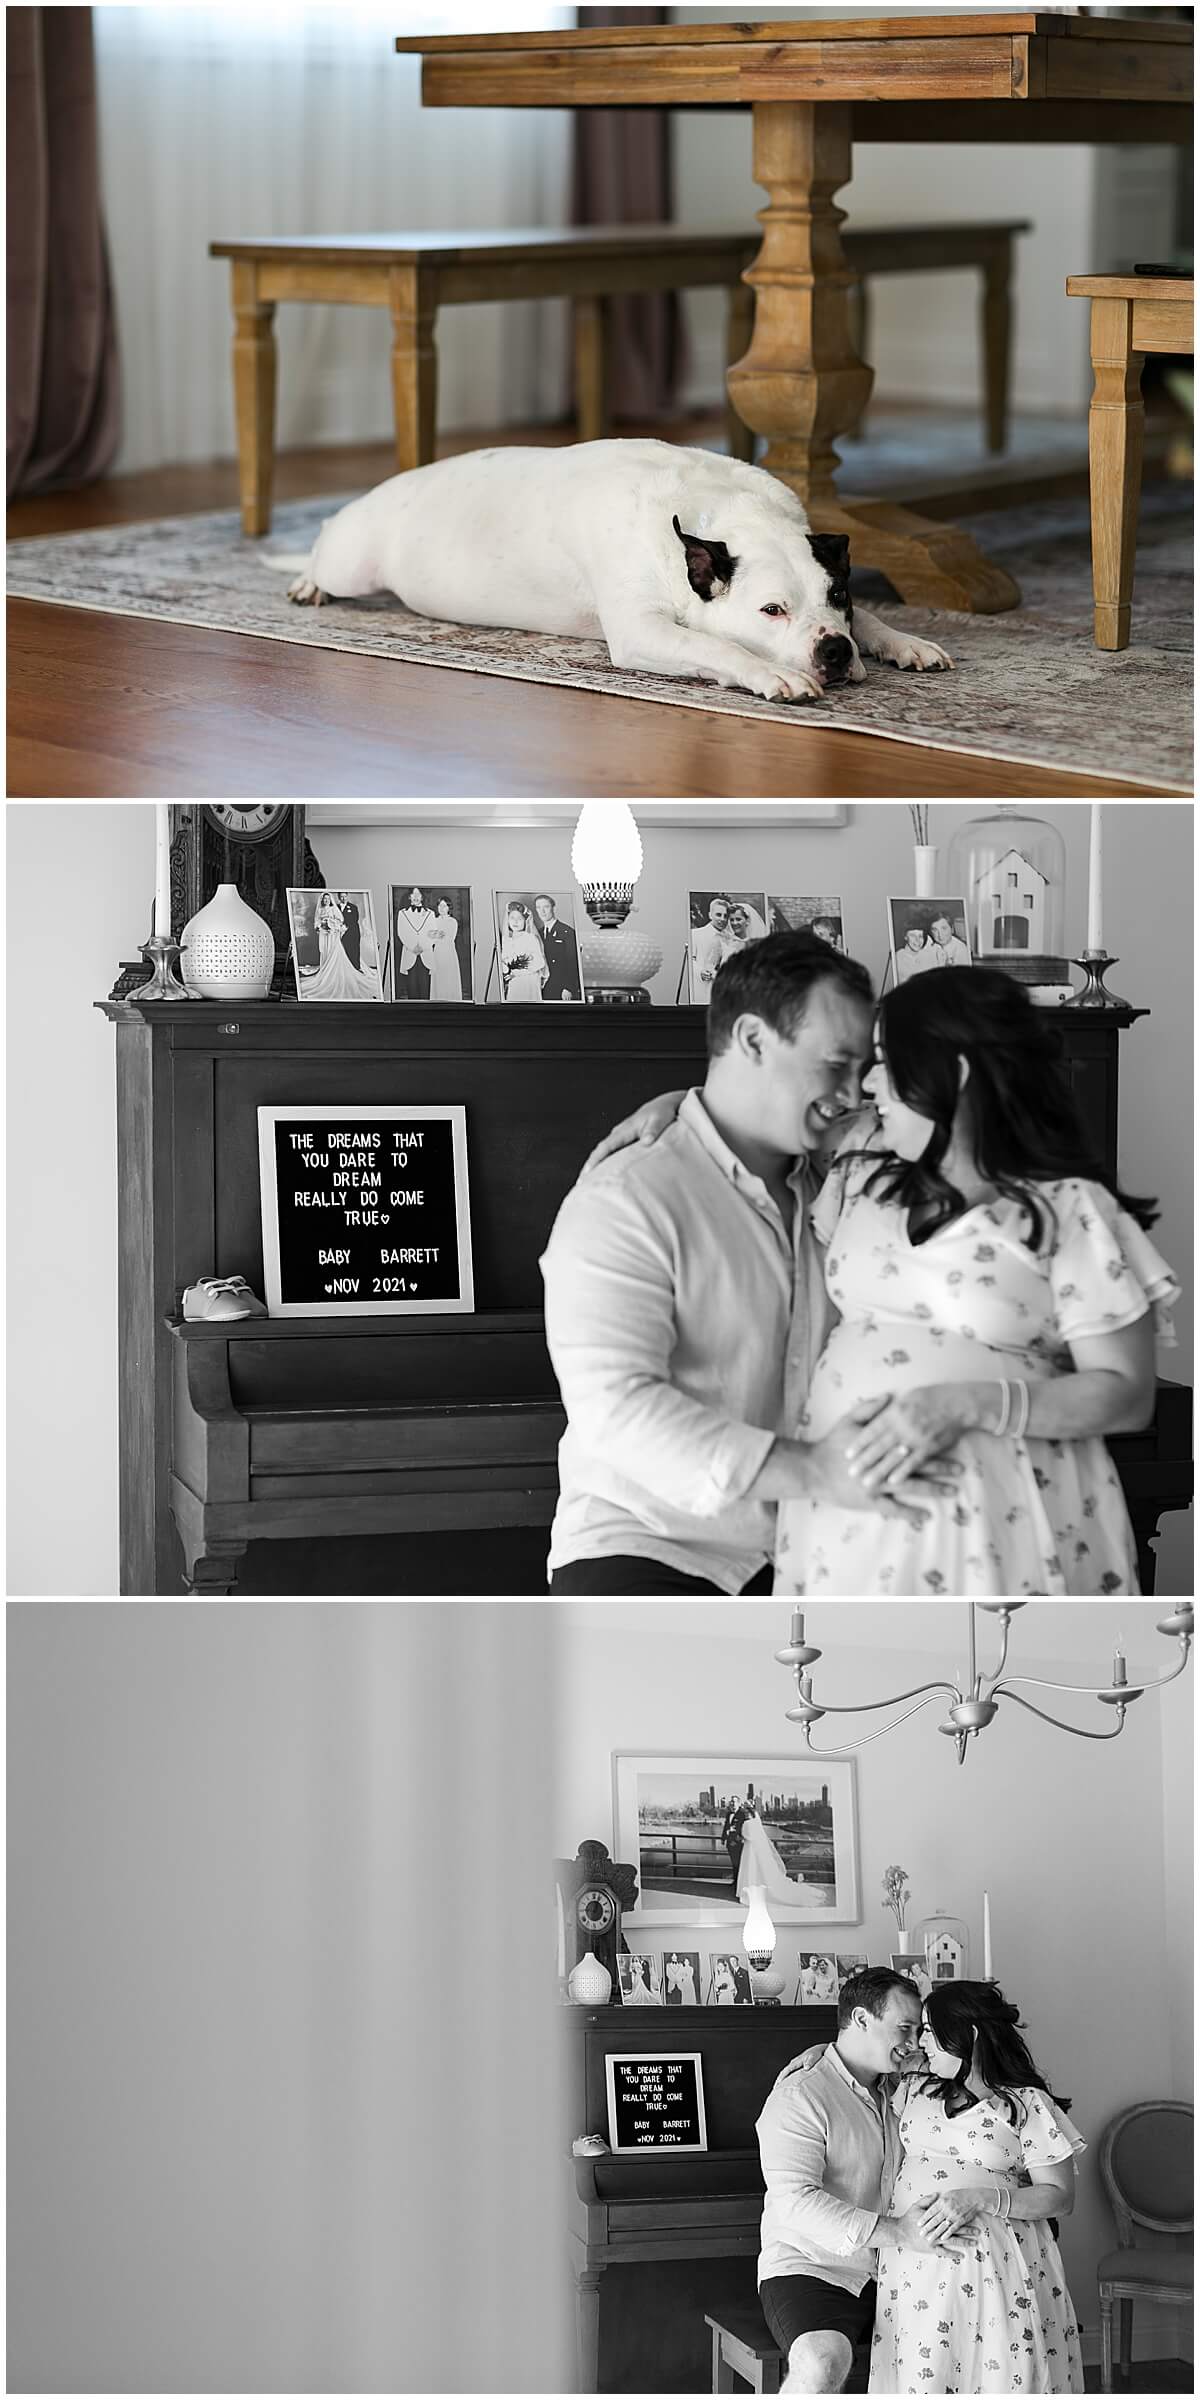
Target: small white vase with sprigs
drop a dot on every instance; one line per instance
(896, 1896)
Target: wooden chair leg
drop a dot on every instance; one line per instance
(412, 298)
(1106, 2350)
(739, 333)
(253, 396)
(995, 315)
(1115, 423)
(1125, 2352)
(860, 335)
(590, 320)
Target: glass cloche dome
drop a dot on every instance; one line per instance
(1011, 869)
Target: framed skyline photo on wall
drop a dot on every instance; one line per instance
(704, 1826)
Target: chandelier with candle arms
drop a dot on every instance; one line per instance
(976, 1693)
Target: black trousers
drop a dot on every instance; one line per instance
(639, 1577)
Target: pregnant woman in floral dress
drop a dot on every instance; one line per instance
(986, 2144)
(997, 1294)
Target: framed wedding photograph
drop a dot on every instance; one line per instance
(718, 924)
(821, 916)
(431, 941)
(335, 952)
(818, 1983)
(682, 1979)
(639, 1974)
(704, 1825)
(537, 947)
(927, 933)
(729, 1983)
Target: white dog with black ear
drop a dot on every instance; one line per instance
(686, 562)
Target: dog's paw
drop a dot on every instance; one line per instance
(779, 683)
(305, 592)
(911, 653)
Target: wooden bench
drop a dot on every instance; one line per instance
(414, 274)
(1132, 316)
(741, 2345)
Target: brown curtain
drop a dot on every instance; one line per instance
(63, 401)
(623, 177)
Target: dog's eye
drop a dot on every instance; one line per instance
(839, 593)
(774, 608)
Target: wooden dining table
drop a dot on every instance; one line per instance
(815, 87)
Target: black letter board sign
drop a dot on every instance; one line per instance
(655, 2103)
(365, 1211)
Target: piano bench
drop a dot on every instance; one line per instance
(741, 2345)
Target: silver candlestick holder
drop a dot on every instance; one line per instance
(160, 955)
(1094, 964)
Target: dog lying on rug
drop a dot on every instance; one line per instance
(685, 562)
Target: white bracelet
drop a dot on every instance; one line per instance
(1022, 1419)
(1006, 1394)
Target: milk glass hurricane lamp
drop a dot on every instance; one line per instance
(606, 861)
(758, 1942)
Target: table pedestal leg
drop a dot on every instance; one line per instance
(800, 383)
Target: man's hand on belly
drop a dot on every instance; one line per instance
(824, 1470)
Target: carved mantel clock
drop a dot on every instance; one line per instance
(258, 845)
(595, 1890)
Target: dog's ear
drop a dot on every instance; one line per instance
(831, 551)
(709, 564)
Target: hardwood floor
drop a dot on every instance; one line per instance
(111, 707)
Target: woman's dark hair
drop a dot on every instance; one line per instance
(1024, 1121)
(976, 2023)
(772, 979)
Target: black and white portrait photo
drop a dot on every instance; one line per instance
(639, 1974)
(927, 933)
(719, 923)
(820, 915)
(431, 941)
(818, 1981)
(334, 947)
(729, 1981)
(682, 1985)
(536, 945)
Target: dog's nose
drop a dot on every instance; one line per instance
(833, 655)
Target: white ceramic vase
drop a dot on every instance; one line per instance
(228, 949)
(924, 863)
(589, 1981)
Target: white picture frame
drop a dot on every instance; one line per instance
(662, 1820)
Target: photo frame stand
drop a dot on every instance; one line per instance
(680, 986)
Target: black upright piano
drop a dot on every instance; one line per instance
(313, 1454)
(655, 2241)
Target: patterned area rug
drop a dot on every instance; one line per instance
(1027, 686)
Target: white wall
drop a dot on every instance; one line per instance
(62, 1257)
(283, 2095)
(1069, 1838)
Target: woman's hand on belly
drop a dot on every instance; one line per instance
(915, 1427)
(963, 2207)
(822, 1471)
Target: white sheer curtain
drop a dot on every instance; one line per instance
(223, 122)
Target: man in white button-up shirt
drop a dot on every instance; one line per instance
(827, 2140)
(685, 1299)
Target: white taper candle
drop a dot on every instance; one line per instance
(1095, 916)
(162, 869)
(987, 1938)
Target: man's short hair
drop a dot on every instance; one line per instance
(773, 978)
(871, 1990)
